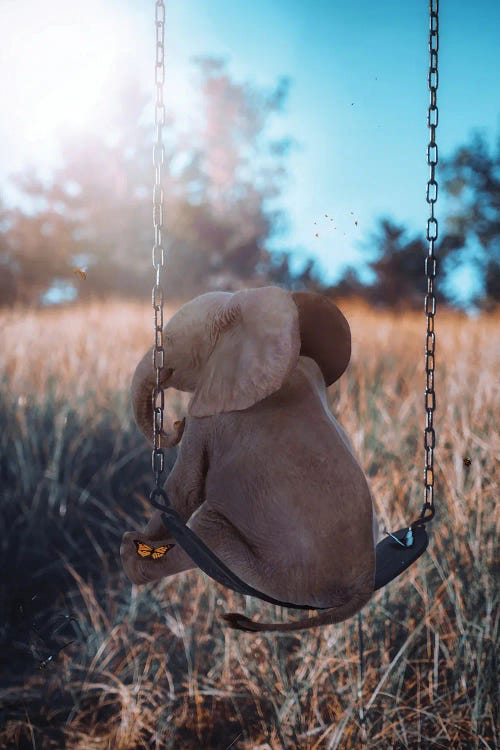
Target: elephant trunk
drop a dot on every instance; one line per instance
(143, 383)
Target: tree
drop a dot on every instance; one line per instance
(8, 268)
(348, 286)
(472, 183)
(398, 267)
(221, 184)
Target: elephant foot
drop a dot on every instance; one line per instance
(143, 559)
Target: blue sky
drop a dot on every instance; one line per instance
(357, 104)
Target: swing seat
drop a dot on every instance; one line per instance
(392, 559)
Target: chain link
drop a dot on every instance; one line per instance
(158, 400)
(431, 266)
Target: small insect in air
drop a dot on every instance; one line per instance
(316, 235)
(40, 630)
(45, 662)
(40, 649)
(155, 553)
(467, 461)
(355, 223)
(80, 272)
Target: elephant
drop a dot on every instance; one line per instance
(264, 474)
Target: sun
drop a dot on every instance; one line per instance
(60, 62)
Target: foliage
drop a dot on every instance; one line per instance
(397, 266)
(472, 181)
(154, 666)
(221, 181)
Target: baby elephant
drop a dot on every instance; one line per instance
(265, 475)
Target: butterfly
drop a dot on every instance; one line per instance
(156, 553)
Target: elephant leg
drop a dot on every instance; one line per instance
(212, 528)
(145, 569)
(185, 484)
(226, 541)
(185, 488)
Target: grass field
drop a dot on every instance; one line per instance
(154, 667)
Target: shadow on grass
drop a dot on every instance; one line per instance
(70, 476)
(74, 477)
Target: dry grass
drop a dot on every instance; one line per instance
(154, 667)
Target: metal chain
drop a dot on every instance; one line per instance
(158, 457)
(430, 311)
(431, 266)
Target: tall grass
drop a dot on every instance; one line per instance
(154, 667)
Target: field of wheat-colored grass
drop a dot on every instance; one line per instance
(155, 666)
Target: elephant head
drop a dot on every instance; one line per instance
(232, 350)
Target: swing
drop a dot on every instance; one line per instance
(400, 548)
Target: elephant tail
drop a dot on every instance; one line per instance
(327, 617)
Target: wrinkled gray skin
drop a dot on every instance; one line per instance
(265, 475)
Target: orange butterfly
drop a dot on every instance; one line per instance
(156, 553)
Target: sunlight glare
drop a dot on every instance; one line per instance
(60, 62)
(61, 66)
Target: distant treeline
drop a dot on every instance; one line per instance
(89, 227)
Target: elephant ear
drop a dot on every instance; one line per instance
(324, 333)
(257, 345)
